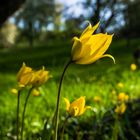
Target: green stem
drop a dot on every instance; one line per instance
(63, 127)
(17, 119)
(58, 102)
(115, 128)
(24, 109)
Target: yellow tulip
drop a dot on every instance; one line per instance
(26, 79)
(120, 109)
(23, 70)
(77, 107)
(40, 77)
(122, 97)
(24, 75)
(133, 67)
(90, 47)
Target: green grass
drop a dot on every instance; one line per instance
(100, 78)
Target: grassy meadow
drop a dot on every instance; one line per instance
(102, 78)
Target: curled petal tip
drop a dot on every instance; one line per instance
(113, 59)
(108, 55)
(88, 22)
(24, 64)
(112, 35)
(75, 38)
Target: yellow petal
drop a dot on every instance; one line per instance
(85, 108)
(87, 28)
(92, 45)
(25, 79)
(120, 109)
(102, 49)
(106, 45)
(92, 60)
(75, 111)
(97, 50)
(67, 104)
(97, 42)
(23, 70)
(108, 55)
(80, 103)
(76, 49)
(88, 31)
(85, 51)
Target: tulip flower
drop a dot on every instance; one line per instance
(77, 107)
(40, 77)
(122, 97)
(90, 47)
(120, 109)
(24, 75)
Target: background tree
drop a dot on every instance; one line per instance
(132, 22)
(35, 15)
(8, 34)
(7, 8)
(107, 12)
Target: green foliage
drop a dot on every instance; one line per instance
(99, 79)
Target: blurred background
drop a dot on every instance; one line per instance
(30, 24)
(32, 21)
(40, 32)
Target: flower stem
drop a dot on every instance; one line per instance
(63, 127)
(58, 101)
(24, 109)
(17, 119)
(115, 128)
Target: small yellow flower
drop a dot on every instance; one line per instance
(14, 91)
(133, 67)
(40, 77)
(122, 97)
(35, 92)
(120, 109)
(97, 99)
(77, 107)
(24, 75)
(89, 48)
(120, 85)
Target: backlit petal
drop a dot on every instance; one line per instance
(80, 103)
(103, 49)
(88, 31)
(76, 48)
(108, 55)
(67, 104)
(97, 41)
